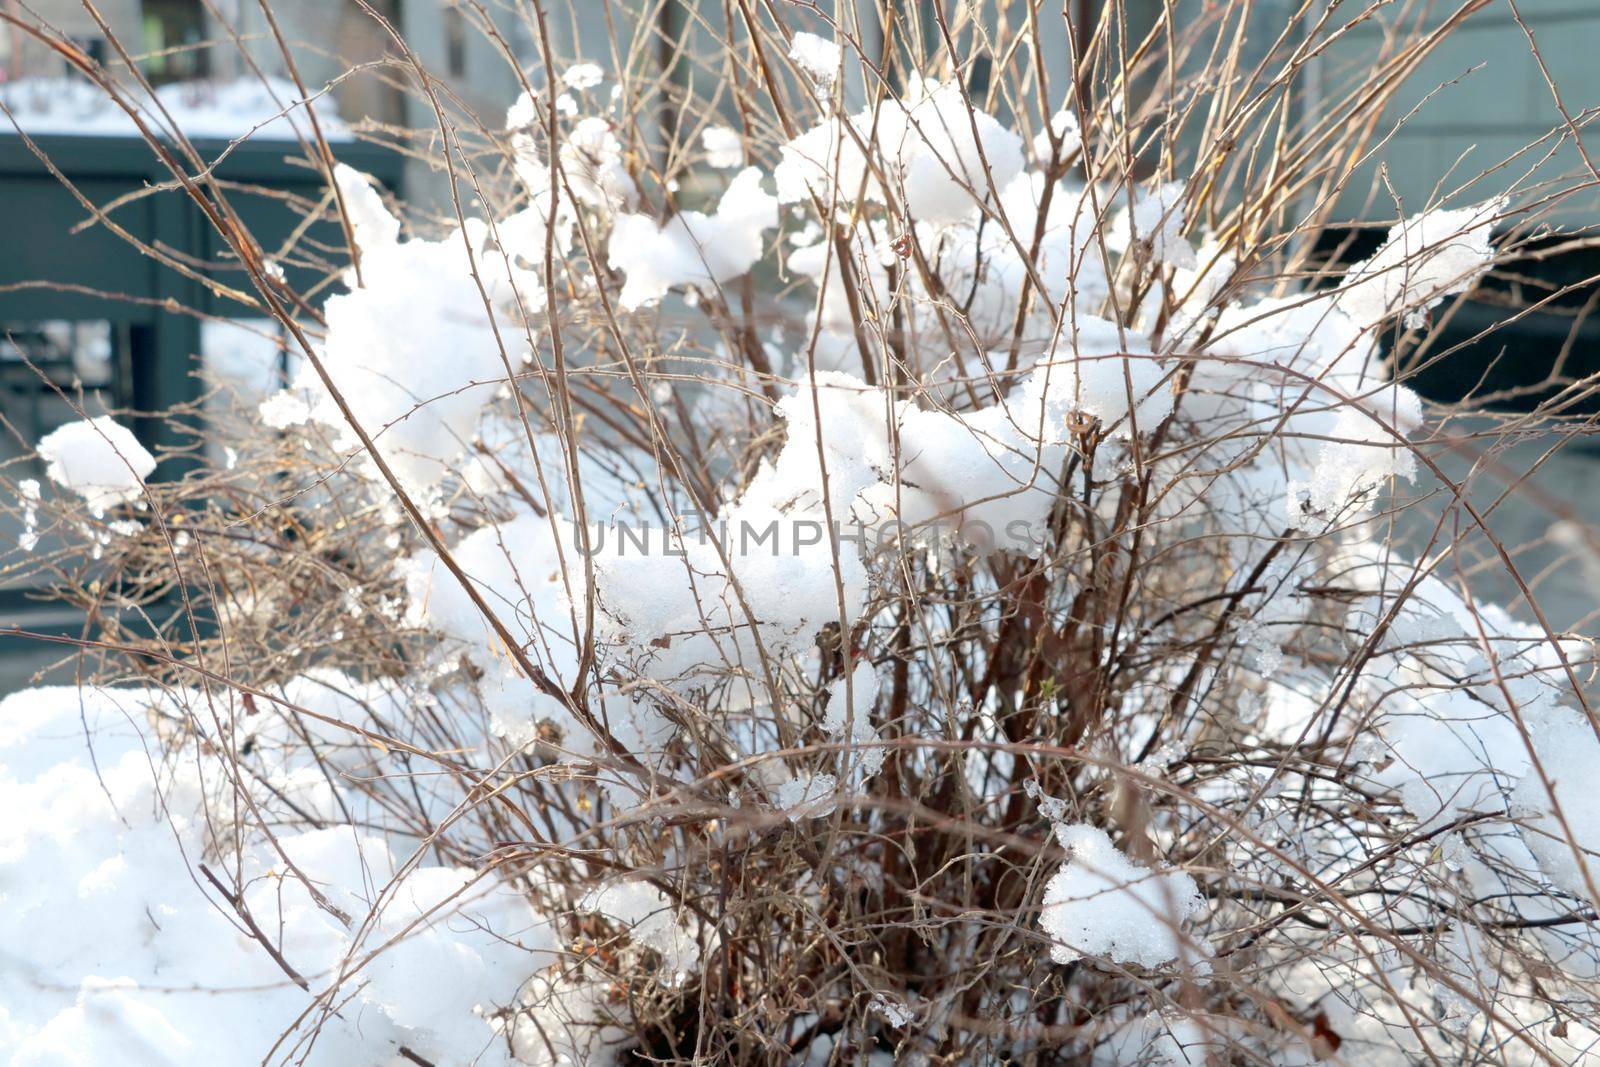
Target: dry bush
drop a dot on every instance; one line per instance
(846, 808)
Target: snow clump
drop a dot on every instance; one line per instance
(817, 56)
(692, 248)
(99, 459)
(1103, 904)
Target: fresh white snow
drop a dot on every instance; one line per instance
(270, 109)
(99, 459)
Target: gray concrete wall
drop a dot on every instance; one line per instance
(1478, 100)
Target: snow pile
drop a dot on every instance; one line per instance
(991, 474)
(724, 147)
(505, 470)
(977, 258)
(1482, 751)
(99, 459)
(528, 572)
(130, 951)
(849, 716)
(253, 108)
(565, 1023)
(1156, 1040)
(591, 167)
(704, 604)
(651, 921)
(715, 601)
(1102, 904)
(516, 568)
(1453, 755)
(1155, 221)
(408, 348)
(693, 248)
(1064, 129)
(987, 476)
(942, 156)
(582, 76)
(28, 498)
(1104, 372)
(817, 56)
(1559, 807)
(1456, 747)
(951, 156)
(1298, 389)
(807, 796)
(374, 228)
(1425, 259)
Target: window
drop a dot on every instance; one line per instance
(455, 38)
(81, 359)
(373, 90)
(175, 41)
(978, 73)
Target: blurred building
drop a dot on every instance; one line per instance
(339, 42)
(1479, 98)
(180, 40)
